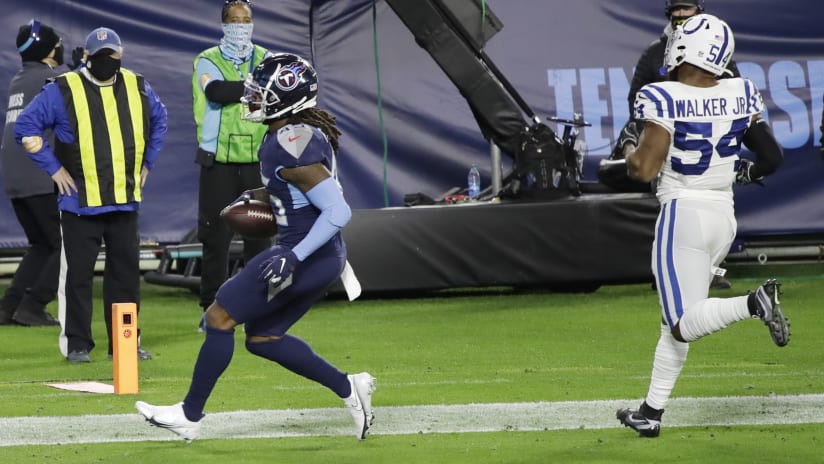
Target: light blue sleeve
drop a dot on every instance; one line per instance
(205, 66)
(334, 214)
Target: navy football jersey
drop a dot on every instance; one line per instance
(294, 145)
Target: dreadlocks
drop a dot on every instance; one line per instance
(321, 119)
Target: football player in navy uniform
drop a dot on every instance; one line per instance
(694, 128)
(277, 287)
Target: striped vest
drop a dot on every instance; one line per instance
(111, 126)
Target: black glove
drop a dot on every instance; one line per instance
(245, 197)
(744, 174)
(629, 134)
(77, 57)
(277, 269)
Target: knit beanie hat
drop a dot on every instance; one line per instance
(36, 40)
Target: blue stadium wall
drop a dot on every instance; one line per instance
(563, 57)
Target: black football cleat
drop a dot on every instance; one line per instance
(649, 428)
(769, 311)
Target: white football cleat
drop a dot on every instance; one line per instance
(360, 402)
(170, 418)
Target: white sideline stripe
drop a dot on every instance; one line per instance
(401, 420)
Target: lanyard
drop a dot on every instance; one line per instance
(251, 66)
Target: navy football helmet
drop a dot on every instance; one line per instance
(281, 85)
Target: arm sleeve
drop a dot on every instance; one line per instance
(158, 122)
(215, 88)
(224, 92)
(761, 141)
(334, 214)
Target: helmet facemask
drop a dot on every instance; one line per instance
(256, 100)
(280, 86)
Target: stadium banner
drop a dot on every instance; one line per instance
(408, 129)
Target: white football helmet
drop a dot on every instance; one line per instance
(704, 41)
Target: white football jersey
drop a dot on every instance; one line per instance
(706, 127)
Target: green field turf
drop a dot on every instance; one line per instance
(452, 348)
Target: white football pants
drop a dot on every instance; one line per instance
(691, 238)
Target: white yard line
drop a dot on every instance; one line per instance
(399, 420)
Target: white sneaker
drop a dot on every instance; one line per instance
(360, 402)
(170, 418)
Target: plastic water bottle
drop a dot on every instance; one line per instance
(473, 180)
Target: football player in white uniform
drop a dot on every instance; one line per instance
(694, 127)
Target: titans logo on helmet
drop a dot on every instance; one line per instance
(289, 76)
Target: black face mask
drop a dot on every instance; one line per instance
(58, 54)
(103, 67)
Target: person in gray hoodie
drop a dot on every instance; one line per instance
(31, 190)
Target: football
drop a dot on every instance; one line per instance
(253, 219)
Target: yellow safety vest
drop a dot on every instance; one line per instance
(238, 140)
(111, 125)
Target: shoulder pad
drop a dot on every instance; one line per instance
(755, 102)
(294, 138)
(653, 101)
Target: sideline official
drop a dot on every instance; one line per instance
(109, 128)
